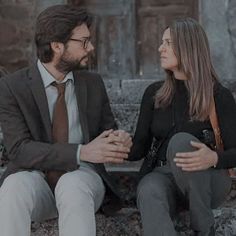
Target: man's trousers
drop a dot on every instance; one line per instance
(25, 197)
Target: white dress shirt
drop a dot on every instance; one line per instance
(74, 133)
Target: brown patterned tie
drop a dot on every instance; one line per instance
(60, 116)
(59, 130)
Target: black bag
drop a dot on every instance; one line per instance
(207, 137)
(151, 159)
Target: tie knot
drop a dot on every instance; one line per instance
(60, 87)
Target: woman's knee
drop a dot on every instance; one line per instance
(180, 142)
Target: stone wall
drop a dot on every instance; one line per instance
(16, 33)
(218, 18)
(17, 18)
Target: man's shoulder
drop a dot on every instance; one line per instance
(92, 80)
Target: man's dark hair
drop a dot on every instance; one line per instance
(55, 24)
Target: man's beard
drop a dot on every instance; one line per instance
(66, 64)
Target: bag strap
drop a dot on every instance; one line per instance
(216, 129)
(217, 133)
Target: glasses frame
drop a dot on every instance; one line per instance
(85, 42)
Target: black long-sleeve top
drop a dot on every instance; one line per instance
(175, 118)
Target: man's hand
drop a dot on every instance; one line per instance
(103, 149)
(201, 159)
(124, 138)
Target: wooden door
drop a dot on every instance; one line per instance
(128, 34)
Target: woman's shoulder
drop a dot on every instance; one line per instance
(153, 88)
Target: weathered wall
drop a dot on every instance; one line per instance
(218, 17)
(17, 18)
(16, 24)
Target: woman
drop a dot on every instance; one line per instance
(176, 113)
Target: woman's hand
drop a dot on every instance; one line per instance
(124, 138)
(201, 159)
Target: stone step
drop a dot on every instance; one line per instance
(127, 223)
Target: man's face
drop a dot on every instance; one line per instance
(76, 50)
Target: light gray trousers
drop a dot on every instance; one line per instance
(25, 197)
(159, 192)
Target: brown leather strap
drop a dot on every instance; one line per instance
(215, 127)
(217, 133)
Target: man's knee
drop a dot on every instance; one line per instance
(19, 187)
(74, 187)
(19, 182)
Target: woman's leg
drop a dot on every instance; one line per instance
(197, 186)
(156, 200)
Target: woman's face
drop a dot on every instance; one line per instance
(167, 56)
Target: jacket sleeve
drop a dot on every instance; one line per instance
(107, 117)
(226, 111)
(22, 150)
(143, 137)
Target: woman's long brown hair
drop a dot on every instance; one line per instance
(191, 47)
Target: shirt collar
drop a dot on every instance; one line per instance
(48, 79)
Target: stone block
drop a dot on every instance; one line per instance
(126, 91)
(126, 116)
(216, 24)
(127, 221)
(232, 26)
(132, 90)
(8, 33)
(16, 12)
(11, 55)
(113, 88)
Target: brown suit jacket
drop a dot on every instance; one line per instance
(26, 125)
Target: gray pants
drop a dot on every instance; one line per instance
(158, 192)
(25, 197)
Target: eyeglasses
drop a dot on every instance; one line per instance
(85, 42)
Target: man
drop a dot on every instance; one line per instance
(58, 130)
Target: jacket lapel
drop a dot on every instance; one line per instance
(81, 96)
(39, 94)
